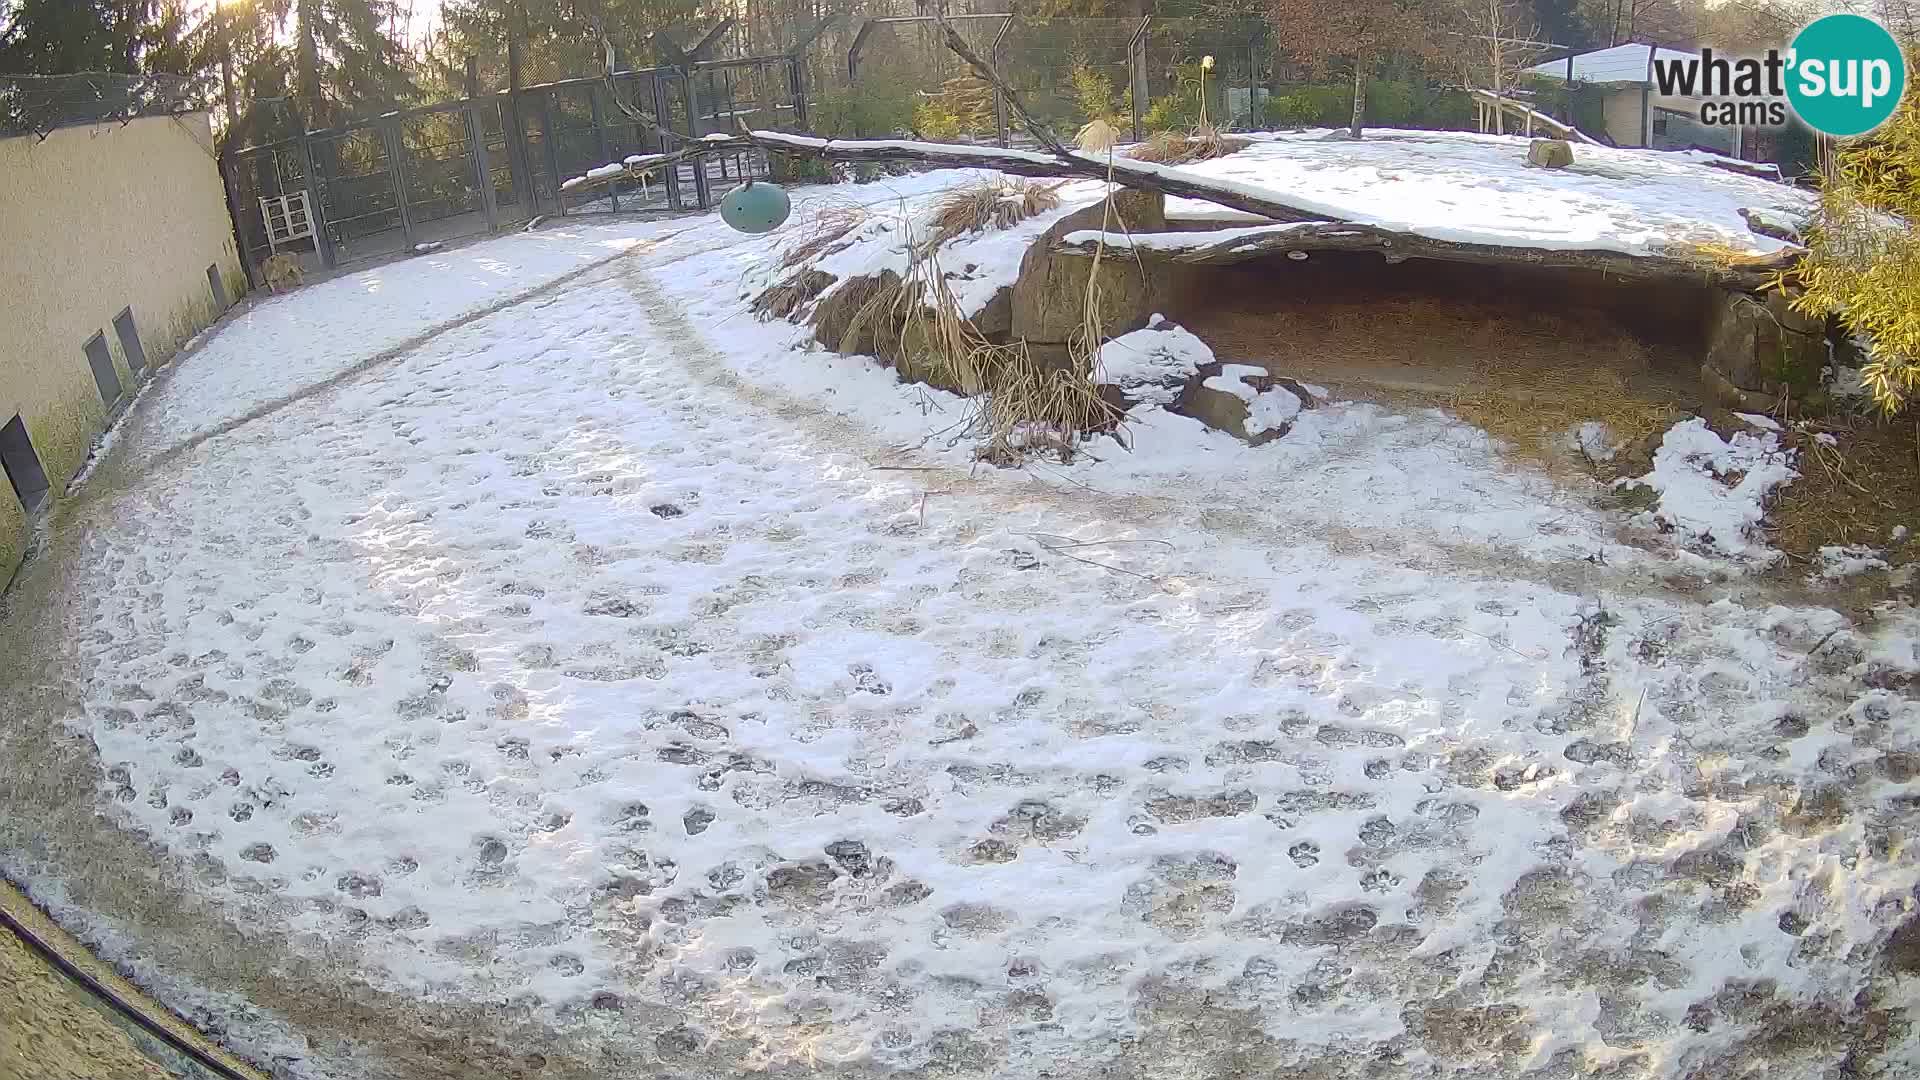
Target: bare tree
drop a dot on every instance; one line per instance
(1497, 39)
(1320, 33)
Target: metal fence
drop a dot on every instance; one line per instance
(426, 175)
(40, 104)
(898, 69)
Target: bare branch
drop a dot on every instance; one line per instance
(1038, 130)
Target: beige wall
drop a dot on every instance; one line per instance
(94, 219)
(1623, 112)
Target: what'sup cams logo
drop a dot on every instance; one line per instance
(1843, 75)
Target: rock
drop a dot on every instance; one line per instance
(1734, 324)
(1140, 211)
(835, 317)
(995, 321)
(1050, 295)
(1244, 401)
(1549, 153)
(1791, 347)
(1152, 365)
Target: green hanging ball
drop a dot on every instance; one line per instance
(755, 207)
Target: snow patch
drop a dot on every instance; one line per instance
(1150, 365)
(1714, 490)
(1841, 561)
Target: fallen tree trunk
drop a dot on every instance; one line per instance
(1126, 172)
(1262, 241)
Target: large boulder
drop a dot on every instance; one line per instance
(1244, 400)
(1760, 345)
(1733, 335)
(1050, 296)
(1792, 346)
(1550, 153)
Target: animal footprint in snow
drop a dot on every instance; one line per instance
(865, 681)
(1380, 880)
(1304, 854)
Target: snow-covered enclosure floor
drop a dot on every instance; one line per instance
(594, 675)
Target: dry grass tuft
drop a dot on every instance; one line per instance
(824, 230)
(1854, 492)
(991, 204)
(1178, 148)
(1019, 404)
(787, 298)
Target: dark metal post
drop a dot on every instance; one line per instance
(322, 242)
(1137, 60)
(553, 155)
(701, 195)
(999, 99)
(797, 79)
(1569, 116)
(477, 143)
(396, 169)
(229, 170)
(665, 119)
(600, 134)
(477, 146)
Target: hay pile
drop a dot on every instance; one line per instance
(990, 204)
(1178, 148)
(1533, 408)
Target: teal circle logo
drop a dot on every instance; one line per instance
(1847, 75)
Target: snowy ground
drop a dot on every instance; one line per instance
(618, 671)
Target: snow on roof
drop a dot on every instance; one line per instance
(1621, 64)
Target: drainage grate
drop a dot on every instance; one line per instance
(22, 464)
(129, 336)
(101, 361)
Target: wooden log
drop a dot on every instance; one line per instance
(1316, 229)
(1265, 241)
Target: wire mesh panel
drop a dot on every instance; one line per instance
(359, 199)
(1071, 70)
(901, 79)
(511, 204)
(1233, 89)
(441, 178)
(38, 104)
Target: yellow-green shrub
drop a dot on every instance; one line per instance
(1863, 257)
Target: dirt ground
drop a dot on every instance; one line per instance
(1528, 356)
(51, 1026)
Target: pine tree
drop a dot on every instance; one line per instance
(346, 64)
(57, 37)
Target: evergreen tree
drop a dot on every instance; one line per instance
(57, 37)
(346, 63)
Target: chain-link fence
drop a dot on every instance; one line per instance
(1150, 73)
(40, 104)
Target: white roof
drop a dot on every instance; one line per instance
(1620, 64)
